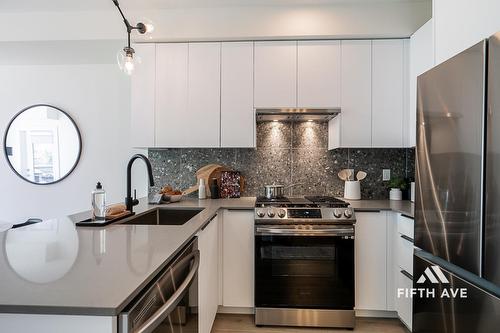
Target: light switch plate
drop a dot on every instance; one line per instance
(386, 174)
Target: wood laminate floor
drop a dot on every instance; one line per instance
(225, 323)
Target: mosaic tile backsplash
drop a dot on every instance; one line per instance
(287, 153)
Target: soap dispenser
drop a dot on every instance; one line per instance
(99, 203)
(202, 190)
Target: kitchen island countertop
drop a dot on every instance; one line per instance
(56, 268)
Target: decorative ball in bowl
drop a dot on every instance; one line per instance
(172, 198)
(171, 195)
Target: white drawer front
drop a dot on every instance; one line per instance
(405, 254)
(405, 226)
(403, 303)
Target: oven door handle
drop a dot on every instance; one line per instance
(266, 231)
(152, 323)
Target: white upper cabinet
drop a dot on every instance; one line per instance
(421, 60)
(172, 127)
(143, 98)
(237, 113)
(188, 95)
(203, 96)
(355, 119)
(318, 74)
(275, 74)
(388, 93)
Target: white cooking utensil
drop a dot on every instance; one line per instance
(343, 174)
(361, 175)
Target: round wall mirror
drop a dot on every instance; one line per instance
(42, 144)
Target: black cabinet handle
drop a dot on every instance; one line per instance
(408, 275)
(409, 239)
(408, 216)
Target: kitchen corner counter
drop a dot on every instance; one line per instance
(56, 268)
(405, 207)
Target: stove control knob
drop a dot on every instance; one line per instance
(348, 213)
(337, 213)
(270, 213)
(281, 213)
(260, 213)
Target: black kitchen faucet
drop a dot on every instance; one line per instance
(129, 201)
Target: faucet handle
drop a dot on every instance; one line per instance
(135, 201)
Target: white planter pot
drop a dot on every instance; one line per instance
(395, 194)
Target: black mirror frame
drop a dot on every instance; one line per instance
(80, 145)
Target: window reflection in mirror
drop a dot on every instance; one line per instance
(42, 144)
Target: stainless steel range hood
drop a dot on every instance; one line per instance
(296, 114)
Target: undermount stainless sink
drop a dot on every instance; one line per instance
(165, 216)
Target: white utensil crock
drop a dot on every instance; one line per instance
(352, 190)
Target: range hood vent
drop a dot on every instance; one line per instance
(296, 114)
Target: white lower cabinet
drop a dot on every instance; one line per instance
(371, 261)
(45, 323)
(404, 267)
(208, 275)
(238, 258)
(404, 304)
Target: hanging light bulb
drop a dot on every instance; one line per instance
(127, 60)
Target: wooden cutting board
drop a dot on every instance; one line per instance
(206, 173)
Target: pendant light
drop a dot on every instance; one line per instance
(126, 58)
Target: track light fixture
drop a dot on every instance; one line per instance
(126, 58)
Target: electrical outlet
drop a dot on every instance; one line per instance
(386, 174)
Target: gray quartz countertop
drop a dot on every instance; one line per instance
(56, 268)
(404, 207)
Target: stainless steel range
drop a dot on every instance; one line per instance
(304, 262)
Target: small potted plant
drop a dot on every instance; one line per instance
(396, 186)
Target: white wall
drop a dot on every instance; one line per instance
(360, 19)
(459, 24)
(95, 94)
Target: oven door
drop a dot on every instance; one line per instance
(304, 267)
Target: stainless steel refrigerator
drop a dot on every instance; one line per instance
(457, 210)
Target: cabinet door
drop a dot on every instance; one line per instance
(370, 261)
(356, 95)
(237, 114)
(404, 305)
(238, 258)
(142, 94)
(275, 74)
(421, 60)
(388, 92)
(208, 276)
(172, 128)
(318, 74)
(391, 259)
(203, 114)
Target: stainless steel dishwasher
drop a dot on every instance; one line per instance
(169, 304)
